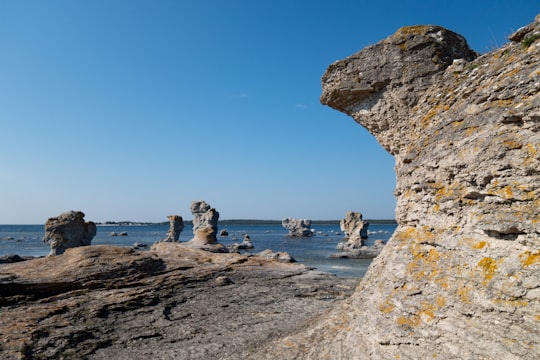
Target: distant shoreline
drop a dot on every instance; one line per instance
(243, 222)
(223, 222)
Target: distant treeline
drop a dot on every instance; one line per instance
(245, 222)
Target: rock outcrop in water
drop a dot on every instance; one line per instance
(460, 278)
(356, 230)
(354, 227)
(205, 227)
(68, 230)
(297, 227)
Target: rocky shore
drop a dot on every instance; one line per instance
(171, 302)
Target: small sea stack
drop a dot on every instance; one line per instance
(297, 227)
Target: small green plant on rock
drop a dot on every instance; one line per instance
(527, 41)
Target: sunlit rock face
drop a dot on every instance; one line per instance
(460, 278)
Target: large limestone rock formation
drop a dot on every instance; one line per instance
(460, 278)
(297, 227)
(68, 230)
(205, 227)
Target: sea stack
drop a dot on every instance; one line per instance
(68, 230)
(460, 277)
(205, 227)
(354, 228)
(176, 225)
(297, 227)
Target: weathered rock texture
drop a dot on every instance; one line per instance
(171, 302)
(460, 278)
(176, 225)
(297, 227)
(205, 227)
(68, 230)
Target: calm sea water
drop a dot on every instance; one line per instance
(26, 240)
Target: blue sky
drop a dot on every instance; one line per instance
(129, 110)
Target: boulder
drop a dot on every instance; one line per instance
(280, 256)
(246, 244)
(68, 230)
(297, 227)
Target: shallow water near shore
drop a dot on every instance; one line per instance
(26, 240)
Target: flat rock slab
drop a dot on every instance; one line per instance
(172, 302)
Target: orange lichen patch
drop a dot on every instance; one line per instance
(411, 321)
(511, 72)
(528, 258)
(432, 112)
(457, 123)
(412, 30)
(505, 192)
(441, 301)
(427, 310)
(417, 235)
(512, 145)
(532, 154)
(464, 294)
(465, 240)
(288, 343)
(479, 245)
(489, 267)
(386, 307)
(537, 317)
(502, 103)
(403, 46)
(511, 302)
(442, 282)
(471, 130)
(425, 314)
(447, 191)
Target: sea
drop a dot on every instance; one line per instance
(315, 251)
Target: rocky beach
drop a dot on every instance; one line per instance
(171, 302)
(459, 279)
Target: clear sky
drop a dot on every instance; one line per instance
(129, 110)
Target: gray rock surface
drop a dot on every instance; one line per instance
(68, 230)
(460, 277)
(171, 302)
(297, 227)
